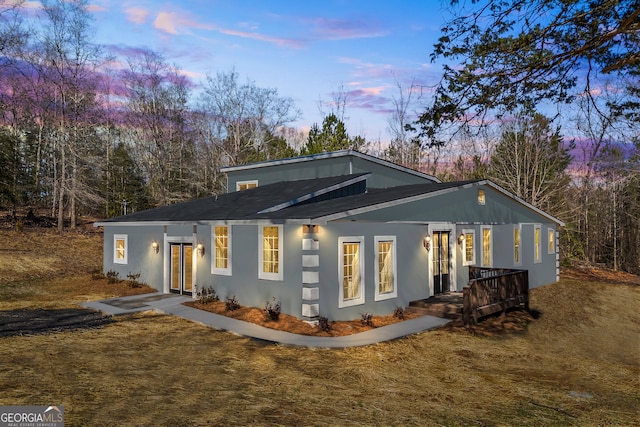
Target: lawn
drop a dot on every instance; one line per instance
(577, 364)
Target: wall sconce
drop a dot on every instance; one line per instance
(200, 248)
(461, 239)
(155, 246)
(310, 229)
(427, 242)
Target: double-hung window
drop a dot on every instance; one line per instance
(487, 243)
(468, 247)
(351, 270)
(537, 242)
(120, 249)
(517, 247)
(386, 268)
(270, 252)
(221, 244)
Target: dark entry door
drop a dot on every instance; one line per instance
(181, 268)
(441, 261)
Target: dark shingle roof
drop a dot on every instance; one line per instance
(240, 204)
(249, 205)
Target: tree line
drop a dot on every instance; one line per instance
(86, 133)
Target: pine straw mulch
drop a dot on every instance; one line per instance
(294, 325)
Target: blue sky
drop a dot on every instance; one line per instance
(304, 49)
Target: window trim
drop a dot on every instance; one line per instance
(551, 240)
(216, 270)
(381, 296)
(261, 273)
(517, 262)
(464, 247)
(248, 182)
(537, 246)
(482, 260)
(481, 197)
(123, 260)
(342, 303)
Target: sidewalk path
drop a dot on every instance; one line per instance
(172, 304)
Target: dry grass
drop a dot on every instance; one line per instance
(576, 365)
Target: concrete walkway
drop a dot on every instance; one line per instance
(172, 304)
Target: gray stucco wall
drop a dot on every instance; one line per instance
(141, 258)
(382, 176)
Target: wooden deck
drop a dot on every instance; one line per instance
(446, 306)
(490, 290)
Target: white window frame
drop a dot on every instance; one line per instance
(249, 182)
(361, 259)
(117, 260)
(517, 262)
(464, 247)
(261, 273)
(551, 239)
(537, 247)
(482, 260)
(380, 296)
(482, 197)
(216, 270)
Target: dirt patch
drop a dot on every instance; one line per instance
(294, 325)
(39, 321)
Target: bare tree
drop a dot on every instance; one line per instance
(243, 115)
(530, 162)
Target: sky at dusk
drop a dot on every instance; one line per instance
(307, 50)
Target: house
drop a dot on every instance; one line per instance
(335, 235)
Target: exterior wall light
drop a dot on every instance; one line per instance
(427, 242)
(310, 229)
(155, 246)
(200, 248)
(461, 239)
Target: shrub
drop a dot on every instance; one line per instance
(207, 295)
(231, 304)
(323, 324)
(132, 280)
(398, 313)
(112, 276)
(271, 310)
(367, 319)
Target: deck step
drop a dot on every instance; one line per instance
(445, 312)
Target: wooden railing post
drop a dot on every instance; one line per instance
(466, 306)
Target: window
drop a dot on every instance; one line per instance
(552, 241)
(537, 241)
(222, 250)
(270, 253)
(486, 246)
(120, 249)
(246, 185)
(517, 249)
(351, 271)
(385, 267)
(468, 247)
(481, 197)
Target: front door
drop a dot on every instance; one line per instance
(441, 262)
(181, 268)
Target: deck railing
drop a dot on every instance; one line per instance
(491, 290)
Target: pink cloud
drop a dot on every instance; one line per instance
(174, 22)
(96, 8)
(293, 43)
(137, 15)
(340, 29)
